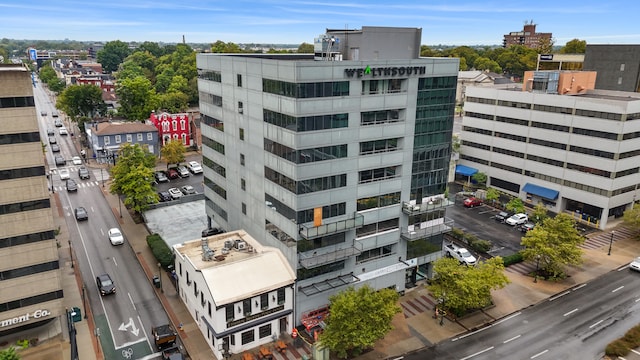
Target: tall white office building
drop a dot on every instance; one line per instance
(338, 158)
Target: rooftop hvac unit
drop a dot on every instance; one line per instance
(241, 244)
(207, 252)
(228, 244)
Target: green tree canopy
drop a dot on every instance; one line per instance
(575, 46)
(480, 178)
(539, 213)
(137, 97)
(483, 63)
(82, 100)
(515, 205)
(132, 175)
(305, 48)
(172, 102)
(493, 194)
(553, 245)
(173, 152)
(463, 288)
(358, 318)
(113, 54)
(152, 48)
(631, 218)
(9, 354)
(46, 73)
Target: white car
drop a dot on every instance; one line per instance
(64, 174)
(194, 167)
(115, 236)
(175, 193)
(517, 219)
(635, 264)
(76, 160)
(63, 131)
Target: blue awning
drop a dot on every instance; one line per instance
(465, 170)
(540, 191)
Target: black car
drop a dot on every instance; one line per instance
(164, 196)
(81, 214)
(526, 227)
(83, 173)
(212, 231)
(72, 185)
(161, 176)
(105, 284)
(502, 216)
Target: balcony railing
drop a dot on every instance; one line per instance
(434, 227)
(311, 232)
(413, 209)
(311, 259)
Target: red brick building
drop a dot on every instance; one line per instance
(172, 127)
(527, 37)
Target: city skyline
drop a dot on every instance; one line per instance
(295, 22)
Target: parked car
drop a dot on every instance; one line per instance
(472, 201)
(63, 131)
(52, 140)
(115, 236)
(183, 171)
(58, 123)
(105, 284)
(164, 196)
(188, 190)
(164, 336)
(50, 132)
(194, 167)
(211, 232)
(60, 160)
(635, 264)
(161, 176)
(55, 114)
(459, 253)
(72, 185)
(175, 193)
(43, 113)
(83, 173)
(64, 174)
(172, 353)
(502, 216)
(172, 174)
(81, 213)
(55, 148)
(517, 219)
(76, 160)
(527, 227)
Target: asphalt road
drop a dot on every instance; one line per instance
(576, 324)
(124, 319)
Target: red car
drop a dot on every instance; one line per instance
(172, 174)
(471, 202)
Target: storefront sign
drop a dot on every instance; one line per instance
(386, 71)
(24, 318)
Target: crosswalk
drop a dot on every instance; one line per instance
(81, 185)
(97, 178)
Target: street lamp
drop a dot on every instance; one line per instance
(120, 205)
(53, 191)
(535, 276)
(71, 254)
(160, 276)
(443, 312)
(84, 302)
(611, 242)
(102, 176)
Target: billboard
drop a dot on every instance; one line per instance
(33, 54)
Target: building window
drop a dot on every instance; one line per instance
(230, 314)
(184, 138)
(247, 337)
(244, 208)
(242, 159)
(239, 77)
(241, 133)
(165, 126)
(180, 268)
(621, 67)
(118, 139)
(280, 296)
(195, 289)
(140, 137)
(174, 123)
(264, 331)
(106, 140)
(264, 301)
(149, 136)
(243, 184)
(240, 107)
(246, 307)
(129, 138)
(183, 125)
(620, 80)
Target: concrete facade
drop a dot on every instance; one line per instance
(527, 37)
(582, 149)
(31, 294)
(342, 165)
(618, 66)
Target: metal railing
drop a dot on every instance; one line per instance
(310, 231)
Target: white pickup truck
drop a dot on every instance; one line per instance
(461, 254)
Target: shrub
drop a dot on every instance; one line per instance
(481, 246)
(457, 233)
(512, 259)
(617, 348)
(160, 250)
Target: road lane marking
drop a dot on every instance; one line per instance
(579, 287)
(559, 295)
(487, 327)
(620, 288)
(509, 340)
(507, 318)
(635, 352)
(130, 299)
(596, 324)
(114, 261)
(478, 353)
(538, 354)
(637, 300)
(570, 312)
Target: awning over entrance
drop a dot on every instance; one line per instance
(540, 191)
(465, 170)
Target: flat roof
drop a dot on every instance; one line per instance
(241, 272)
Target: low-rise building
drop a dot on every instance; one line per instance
(239, 292)
(105, 138)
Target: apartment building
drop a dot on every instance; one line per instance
(31, 291)
(557, 141)
(337, 158)
(527, 37)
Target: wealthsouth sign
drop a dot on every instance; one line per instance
(386, 71)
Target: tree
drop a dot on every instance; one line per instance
(358, 318)
(574, 46)
(82, 100)
(515, 205)
(545, 46)
(112, 55)
(132, 176)
(539, 213)
(480, 178)
(9, 354)
(56, 85)
(173, 152)
(152, 48)
(553, 245)
(483, 63)
(492, 195)
(46, 73)
(222, 47)
(305, 48)
(463, 288)
(137, 97)
(173, 102)
(631, 218)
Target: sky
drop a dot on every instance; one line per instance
(446, 22)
